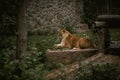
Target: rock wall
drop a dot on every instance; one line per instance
(50, 15)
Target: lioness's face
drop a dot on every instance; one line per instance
(62, 33)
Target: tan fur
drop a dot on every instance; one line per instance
(71, 41)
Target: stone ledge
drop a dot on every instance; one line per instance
(68, 56)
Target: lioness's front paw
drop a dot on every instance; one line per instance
(76, 48)
(57, 45)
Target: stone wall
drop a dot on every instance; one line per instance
(50, 15)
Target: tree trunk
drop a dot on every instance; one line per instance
(21, 41)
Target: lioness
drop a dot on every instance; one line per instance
(73, 42)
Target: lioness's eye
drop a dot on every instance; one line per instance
(63, 31)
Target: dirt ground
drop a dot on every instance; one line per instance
(71, 68)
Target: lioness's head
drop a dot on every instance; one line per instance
(63, 33)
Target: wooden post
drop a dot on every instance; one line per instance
(104, 23)
(101, 26)
(102, 39)
(21, 42)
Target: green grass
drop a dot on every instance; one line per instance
(44, 42)
(41, 42)
(115, 34)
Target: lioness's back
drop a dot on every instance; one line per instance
(85, 43)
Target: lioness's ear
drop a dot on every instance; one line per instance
(64, 28)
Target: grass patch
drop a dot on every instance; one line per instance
(41, 42)
(115, 34)
(44, 42)
(106, 71)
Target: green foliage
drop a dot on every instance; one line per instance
(54, 66)
(69, 26)
(33, 69)
(42, 42)
(30, 68)
(106, 71)
(115, 33)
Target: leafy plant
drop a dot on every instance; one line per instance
(30, 68)
(97, 72)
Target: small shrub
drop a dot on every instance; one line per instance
(29, 68)
(67, 25)
(97, 72)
